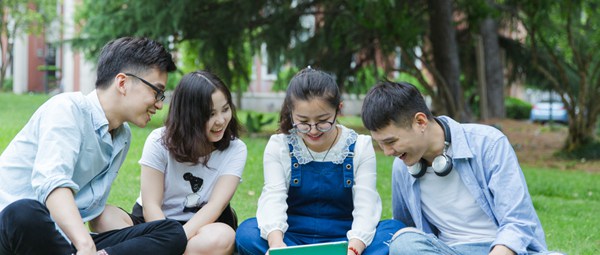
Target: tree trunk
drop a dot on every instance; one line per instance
(494, 75)
(446, 58)
(482, 83)
(238, 97)
(6, 62)
(581, 130)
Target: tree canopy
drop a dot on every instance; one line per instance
(563, 39)
(453, 50)
(20, 18)
(217, 30)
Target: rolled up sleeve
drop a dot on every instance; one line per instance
(59, 141)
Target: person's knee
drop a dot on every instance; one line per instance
(389, 228)
(171, 227)
(247, 232)
(25, 214)
(218, 235)
(404, 240)
(248, 240)
(110, 219)
(173, 230)
(216, 238)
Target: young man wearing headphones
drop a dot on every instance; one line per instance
(458, 187)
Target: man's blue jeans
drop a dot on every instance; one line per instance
(416, 242)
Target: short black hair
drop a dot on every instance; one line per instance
(131, 54)
(392, 103)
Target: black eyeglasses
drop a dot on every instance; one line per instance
(322, 126)
(160, 94)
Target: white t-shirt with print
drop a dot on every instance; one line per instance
(187, 186)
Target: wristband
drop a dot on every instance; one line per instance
(353, 250)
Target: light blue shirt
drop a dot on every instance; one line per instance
(66, 143)
(488, 166)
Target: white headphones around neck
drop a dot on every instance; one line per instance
(442, 164)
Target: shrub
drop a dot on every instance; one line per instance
(8, 85)
(589, 151)
(255, 122)
(517, 108)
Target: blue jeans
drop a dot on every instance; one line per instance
(413, 242)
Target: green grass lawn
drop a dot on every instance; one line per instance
(567, 202)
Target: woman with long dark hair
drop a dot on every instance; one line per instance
(191, 167)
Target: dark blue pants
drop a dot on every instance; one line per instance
(27, 228)
(249, 242)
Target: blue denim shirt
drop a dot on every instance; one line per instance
(488, 166)
(66, 143)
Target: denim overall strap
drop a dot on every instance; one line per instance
(349, 167)
(296, 175)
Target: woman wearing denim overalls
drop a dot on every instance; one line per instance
(320, 178)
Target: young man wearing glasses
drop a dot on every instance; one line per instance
(57, 172)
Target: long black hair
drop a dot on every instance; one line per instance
(185, 127)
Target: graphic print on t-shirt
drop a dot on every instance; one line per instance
(192, 201)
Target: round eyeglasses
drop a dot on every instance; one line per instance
(321, 126)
